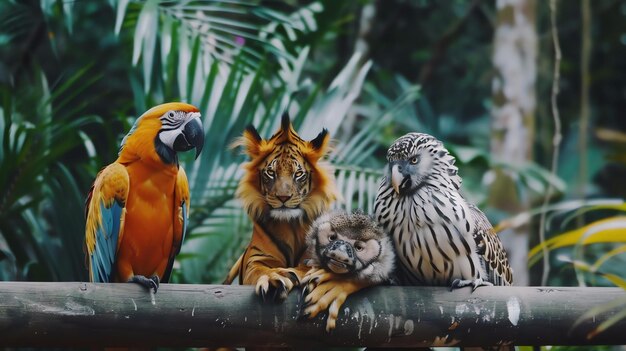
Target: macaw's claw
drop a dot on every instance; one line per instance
(149, 283)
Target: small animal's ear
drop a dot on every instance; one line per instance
(250, 140)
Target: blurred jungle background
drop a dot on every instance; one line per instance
(542, 151)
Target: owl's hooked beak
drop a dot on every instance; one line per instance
(397, 177)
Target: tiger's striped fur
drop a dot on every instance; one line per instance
(285, 188)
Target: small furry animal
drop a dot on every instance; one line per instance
(347, 247)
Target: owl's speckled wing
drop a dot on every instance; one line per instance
(490, 249)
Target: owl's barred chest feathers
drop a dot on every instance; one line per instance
(432, 232)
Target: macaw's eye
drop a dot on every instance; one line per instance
(171, 114)
(359, 246)
(414, 160)
(332, 237)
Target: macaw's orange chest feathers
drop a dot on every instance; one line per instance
(151, 212)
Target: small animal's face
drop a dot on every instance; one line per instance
(346, 250)
(285, 182)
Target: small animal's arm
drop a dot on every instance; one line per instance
(327, 290)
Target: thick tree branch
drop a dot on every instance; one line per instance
(86, 315)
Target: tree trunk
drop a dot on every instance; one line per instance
(514, 59)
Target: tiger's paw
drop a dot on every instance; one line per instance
(276, 285)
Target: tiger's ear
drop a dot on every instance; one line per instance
(250, 141)
(319, 145)
(285, 122)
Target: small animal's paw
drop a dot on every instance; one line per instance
(314, 277)
(326, 293)
(276, 285)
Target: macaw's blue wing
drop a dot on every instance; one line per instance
(105, 217)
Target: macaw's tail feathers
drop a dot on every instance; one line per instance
(234, 271)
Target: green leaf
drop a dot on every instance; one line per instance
(610, 230)
(121, 12)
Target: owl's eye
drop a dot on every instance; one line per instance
(414, 160)
(358, 246)
(332, 237)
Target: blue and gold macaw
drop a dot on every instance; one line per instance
(138, 206)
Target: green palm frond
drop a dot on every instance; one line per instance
(187, 33)
(40, 127)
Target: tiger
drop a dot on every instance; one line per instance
(285, 187)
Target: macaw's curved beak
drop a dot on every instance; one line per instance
(192, 136)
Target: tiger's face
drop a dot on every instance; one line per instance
(285, 179)
(285, 182)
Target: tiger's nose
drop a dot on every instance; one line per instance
(283, 198)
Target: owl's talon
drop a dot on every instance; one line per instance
(474, 283)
